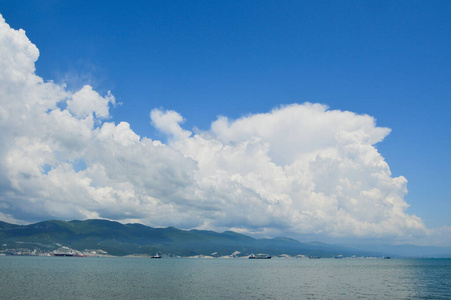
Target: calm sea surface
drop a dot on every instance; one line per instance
(141, 278)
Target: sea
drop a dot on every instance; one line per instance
(34, 277)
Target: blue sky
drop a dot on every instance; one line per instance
(203, 59)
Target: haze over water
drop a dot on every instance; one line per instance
(139, 278)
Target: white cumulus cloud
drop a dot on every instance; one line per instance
(298, 169)
(87, 101)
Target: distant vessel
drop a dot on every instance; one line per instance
(260, 256)
(63, 254)
(69, 254)
(156, 256)
(387, 257)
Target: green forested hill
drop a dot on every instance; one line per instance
(123, 239)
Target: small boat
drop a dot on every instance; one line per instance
(387, 257)
(156, 256)
(260, 256)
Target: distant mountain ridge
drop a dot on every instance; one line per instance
(124, 239)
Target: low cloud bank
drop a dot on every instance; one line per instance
(298, 169)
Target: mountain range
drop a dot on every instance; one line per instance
(125, 239)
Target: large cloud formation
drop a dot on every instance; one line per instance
(299, 169)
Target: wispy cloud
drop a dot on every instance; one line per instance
(298, 169)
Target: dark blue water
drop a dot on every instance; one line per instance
(140, 278)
